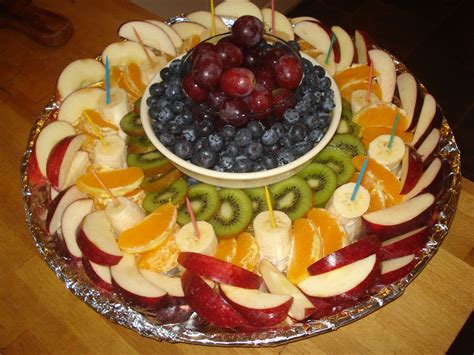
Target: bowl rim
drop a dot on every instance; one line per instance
(286, 170)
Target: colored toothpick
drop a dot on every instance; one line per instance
(394, 129)
(152, 64)
(101, 182)
(213, 19)
(270, 207)
(359, 179)
(369, 85)
(107, 80)
(333, 38)
(273, 17)
(193, 218)
(96, 129)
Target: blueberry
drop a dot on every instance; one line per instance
(190, 134)
(201, 143)
(204, 157)
(153, 113)
(242, 165)
(297, 133)
(325, 82)
(204, 128)
(302, 148)
(228, 132)
(258, 166)
(315, 135)
(273, 148)
(175, 66)
(165, 74)
(256, 128)
(307, 66)
(319, 71)
(243, 137)
(187, 117)
(177, 106)
(226, 162)
(328, 104)
(233, 149)
(216, 142)
(183, 149)
(158, 127)
(254, 150)
(162, 103)
(291, 116)
(173, 128)
(286, 142)
(279, 129)
(303, 107)
(269, 161)
(317, 96)
(311, 121)
(294, 45)
(167, 139)
(173, 92)
(151, 101)
(269, 137)
(285, 156)
(157, 89)
(165, 115)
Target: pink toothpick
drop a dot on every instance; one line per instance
(369, 85)
(273, 17)
(193, 218)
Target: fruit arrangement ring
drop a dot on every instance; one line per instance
(106, 209)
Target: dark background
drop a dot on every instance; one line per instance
(434, 39)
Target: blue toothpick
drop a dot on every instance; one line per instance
(107, 81)
(359, 179)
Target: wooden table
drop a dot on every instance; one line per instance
(39, 315)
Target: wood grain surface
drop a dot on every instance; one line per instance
(39, 315)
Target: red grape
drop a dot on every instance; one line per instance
(201, 48)
(230, 54)
(282, 100)
(235, 112)
(207, 69)
(252, 59)
(247, 31)
(192, 89)
(237, 82)
(216, 99)
(259, 100)
(288, 72)
(270, 58)
(264, 76)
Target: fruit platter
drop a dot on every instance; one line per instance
(239, 178)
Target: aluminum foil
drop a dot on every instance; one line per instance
(178, 323)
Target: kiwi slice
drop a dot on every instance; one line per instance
(349, 144)
(292, 196)
(152, 163)
(347, 126)
(205, 202)
(321, 179)
(346, 110)
(158, 181)
(338, 161)
(131, 124)
(174, 193)
(140, 145)
(234, 213)
(259, 200)
(136, 106)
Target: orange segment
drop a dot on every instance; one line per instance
(122, 80)
(151, 231)
(164, 257)
(97, 120)
(135, 74)
(120, 182)
(381, 114)
(307, 248)
(353, 73)
(348, 89)
(370, 133)
(226, 249)
(381, 177)
(247, 254)
(332, 234)
(190, 43)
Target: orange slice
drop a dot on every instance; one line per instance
(370, 133)
(151, 231)
(307, 248)
(381, 178)
(135, 74)
(226, 249)
(381, 114)
(353, 73)
(164, 257)
(331, 232)
(348, 89)
(247, 254)
(120, 182)
(122, 80)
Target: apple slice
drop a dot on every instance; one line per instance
(96, 239)
(123, 53)
(412, 169)
(59, 204)
(430, 115)
(260, 309)
(172, 285)
(283, 28)
(344, 284)
(47, 139)
(428, 182)
(128, 281)
(188, 29)
(404, 244)
(79, 74)
(75, 104)
(384, 65)
(363, 43)
(429, 147)
(71, 221)
(330, 66)
(408, 93)
(319, 36)
(174, 37)
(299, 19)
(151, 35)
(53, 193)
(78, 167)
(60, 160)
(394, 269)
(346, 47)
(209, 305)
(278, 284)
(347, 255)
(399, 219)
(98, 274)
(238, 9)
(219, 270)
(204, 18)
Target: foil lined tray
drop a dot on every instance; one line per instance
(178, 323)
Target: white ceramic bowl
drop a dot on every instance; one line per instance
(242, 180)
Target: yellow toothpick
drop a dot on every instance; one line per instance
(270, 207)
(104, 186)
(152, 64)
(97, 130)
(213, 19)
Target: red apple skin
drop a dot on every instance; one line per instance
(55, 159)
(415, 170)
(395, 275)
(406, 246)
(438, 185)
(369, 44)
(146, 302)
(96, 279)
(52, 207)
(218, 270)
(416, 112)
(347, 255)
(208, 304)
(93, 253)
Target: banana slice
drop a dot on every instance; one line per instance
(111, 156)
(116, 109)
(358, 100)
(206, 243)
(349, 212)
(125, 215)
(273, 243)
(390, 158)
